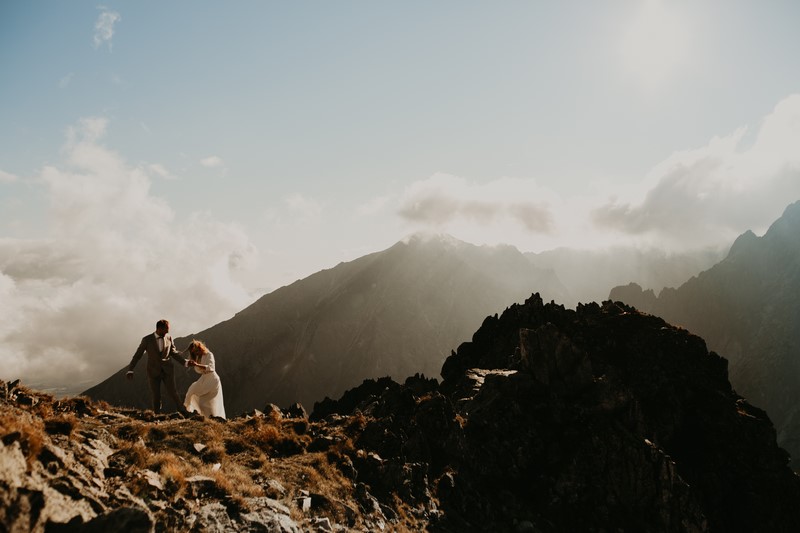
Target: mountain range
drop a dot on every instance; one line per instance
(747, 308)
(589, 274)
(391, 313)
(600, 418)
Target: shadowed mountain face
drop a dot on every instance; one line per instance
(395, 312)
(598, 419)
(747, 308)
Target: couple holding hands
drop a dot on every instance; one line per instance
(204, 395)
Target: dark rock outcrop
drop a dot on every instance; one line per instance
(746, 308)
(596, 419)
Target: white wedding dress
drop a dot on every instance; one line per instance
(205, 395)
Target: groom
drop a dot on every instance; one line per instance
(159, 347)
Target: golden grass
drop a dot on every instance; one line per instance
(131, 431)
(135, 453)
(31, 434)
(173, 471)
(63, 424)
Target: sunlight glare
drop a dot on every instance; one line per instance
(655, 43)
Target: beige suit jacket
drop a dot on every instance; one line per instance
(155, 364)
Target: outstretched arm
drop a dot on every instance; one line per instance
(176, 354)
(137, 356)
(135, 359)
(209, 366)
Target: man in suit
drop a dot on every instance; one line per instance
(159, 348)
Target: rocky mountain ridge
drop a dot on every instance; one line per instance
(594, 419)
(395, 312)
(746, 308)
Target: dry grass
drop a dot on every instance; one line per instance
(63, 424)
(131, 431)
(43, 409)
(314, 473)
(173, 470)
(275, 438)
(357, 422)
(23, 428)
(214, 453)
(135, 453)
(250, 451)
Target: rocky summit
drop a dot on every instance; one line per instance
(594, 419)
(746, 308)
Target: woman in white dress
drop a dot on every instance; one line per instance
(204, 395)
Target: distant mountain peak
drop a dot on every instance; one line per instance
(743, 242)
(785, 229)
(746, 308)
(425, 237)
(792, 210)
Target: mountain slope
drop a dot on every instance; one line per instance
(651, 268)
(551, 419)
(747, 309)
(395, 313)
(597, 419)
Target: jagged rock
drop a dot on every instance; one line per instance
(746, 308)
(608, 419)
(594, 419)
(295, 411)
(274, 489)
(322, 524)
(128, 519)
(367, 501)
(199, 486)
(354, 398)
(273, 411)
(554, 360)
(304, 501)
(268, 516)
(152, 479)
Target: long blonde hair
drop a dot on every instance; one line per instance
(201, 347)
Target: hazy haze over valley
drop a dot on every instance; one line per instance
(182, 161)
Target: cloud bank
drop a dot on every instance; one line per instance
(719, 190)
(117, 258)
(444, 198)
(696, 198)
(5, 177)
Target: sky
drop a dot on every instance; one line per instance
(179, 159)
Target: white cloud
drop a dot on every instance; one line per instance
(212, 162)
(714, 193)
(373, 206)
(116, 259)
(5, 177)
(159, 170)
(64, 82)
(443, 199)
(89, 130)
(104, 27)
(703, 197)
(302, 206)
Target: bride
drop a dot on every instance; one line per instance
(204, 395)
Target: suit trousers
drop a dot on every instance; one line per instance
(169, 384)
